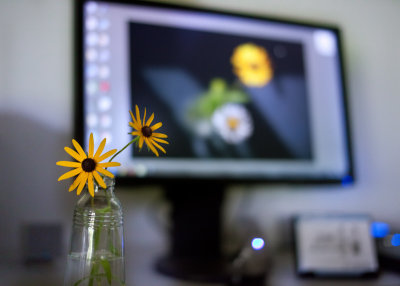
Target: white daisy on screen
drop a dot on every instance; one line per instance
(233, 123)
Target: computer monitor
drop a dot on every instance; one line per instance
(242, 98)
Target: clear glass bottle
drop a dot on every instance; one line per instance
(96, 256)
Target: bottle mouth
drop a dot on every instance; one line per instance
(110, 182)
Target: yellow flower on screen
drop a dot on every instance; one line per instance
(88, 166)
(145, 131)
(252, 65)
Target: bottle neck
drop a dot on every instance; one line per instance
(102, 209)
(100, 191)
(103, 197)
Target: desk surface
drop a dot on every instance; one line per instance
(140, 272)
(281, 274)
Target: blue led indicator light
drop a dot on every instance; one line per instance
(396, 239)
(379, 229)
(347, 180)
(257, 243)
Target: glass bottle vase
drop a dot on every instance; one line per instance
(96, 256)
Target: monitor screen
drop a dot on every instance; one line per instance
(240, 97)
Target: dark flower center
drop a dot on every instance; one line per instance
(146, 131)
(88, 165)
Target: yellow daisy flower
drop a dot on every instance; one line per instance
(252, 64)
(146, 133)
(88, 166)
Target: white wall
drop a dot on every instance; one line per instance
(36, 117)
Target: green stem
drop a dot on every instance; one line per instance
(96, 237)
(93, 273)
(133, 141)
(101, 275)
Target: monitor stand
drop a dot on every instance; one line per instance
(195, 235)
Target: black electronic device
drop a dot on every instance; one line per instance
(389, 251)
(242, 99)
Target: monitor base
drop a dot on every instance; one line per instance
(195, 233)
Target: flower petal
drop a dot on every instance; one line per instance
(109, 164)
(141, 141)
(104, 172)
(106, 155)
(135, 133)
(100, 149)
(157, 145)
(99, 180)
(144, 116)
(91, 146)
(159, 140)
(74, 154)
(156, 126)
(150, 120)
(68, 164)
(82, 183)
(133, 117)
(90, 184)
(134, 125)
(138, 115)
(159, 135)
(76, 182)
(79, 148)
(148, 143)
(70, 174)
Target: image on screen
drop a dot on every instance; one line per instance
(223, 96)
